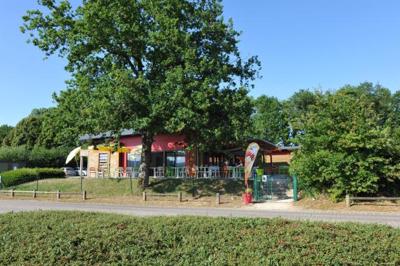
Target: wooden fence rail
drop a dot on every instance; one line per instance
(35, 193)
(178, 195)
(351, 200)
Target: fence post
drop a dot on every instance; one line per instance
(58, 194)
(12, 193)
(348, 203)
(34, 193)
(144, 196)
(180, 196)
(295, 193)
(218, 199)
(84, 195)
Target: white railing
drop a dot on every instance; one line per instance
(211, 172)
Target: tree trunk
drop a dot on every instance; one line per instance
(147, 141)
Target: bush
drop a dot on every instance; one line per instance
(14, 154)
(23, 175)
(42, 157)
(79, 238)
(37, 157)
(350, 143)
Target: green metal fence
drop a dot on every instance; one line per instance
(274, 187)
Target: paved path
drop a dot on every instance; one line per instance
(392, 219)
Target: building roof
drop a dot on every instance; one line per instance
(108, 134)
(288, 148)
(264, 144)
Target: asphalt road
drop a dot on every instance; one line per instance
(392, 219)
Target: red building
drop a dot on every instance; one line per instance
(170, 158)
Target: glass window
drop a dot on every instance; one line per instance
(180, 159)
(170, 159)
(134, 160)
(103, 160)
(103, 157)
(176, 159)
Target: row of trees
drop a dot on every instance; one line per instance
(42, 128)
(349, 138)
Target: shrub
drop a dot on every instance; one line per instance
(14, 154)
(349, 143)
(23, 175)
(79, 238)
(37, 157)
(42, 157)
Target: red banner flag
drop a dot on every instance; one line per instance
(250, 157)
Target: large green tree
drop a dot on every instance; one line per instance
(270, 120)
(296, 109)
(4, 131)
(150, 65)
(27, 131)
(349, 143)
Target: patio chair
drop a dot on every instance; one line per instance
(119, 172)
(102, 172)
(129, 172)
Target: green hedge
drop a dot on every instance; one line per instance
(79, 238)
(38, 157)
(23, 175)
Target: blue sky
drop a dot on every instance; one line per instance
(301, 44)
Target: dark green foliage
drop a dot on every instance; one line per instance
(14, 154)
(42, 157)
(270, 120)
(349, 143)
(49, 128)
(4, 131)
(60, 126)
(37, 157)
(26, 132)
(76, 238)
(23, 175)
(296, 109)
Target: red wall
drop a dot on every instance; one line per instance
(161, 142)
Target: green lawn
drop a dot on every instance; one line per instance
(59, 238)
(121, 187)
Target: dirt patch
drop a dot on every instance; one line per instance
(273, 205)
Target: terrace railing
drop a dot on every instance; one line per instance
(211, 172)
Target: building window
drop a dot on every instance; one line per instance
(180, 159)
(103, 160)
(134, 160)
(176, 159)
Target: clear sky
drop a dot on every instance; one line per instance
(301, 44)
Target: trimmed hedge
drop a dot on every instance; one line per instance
(23, 175)
(79, 238)
(38, 157)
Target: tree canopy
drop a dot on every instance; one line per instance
(154, 66)
(350, 143)
(270, 121)
(4, 131)
(27, 131)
